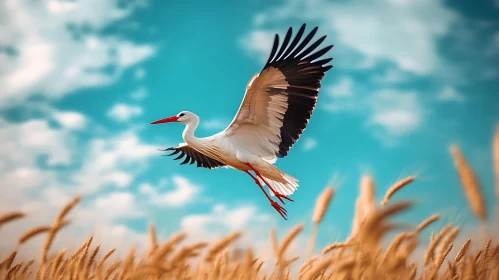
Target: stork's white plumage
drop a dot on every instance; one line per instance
(275, 110)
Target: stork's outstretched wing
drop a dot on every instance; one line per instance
(279, 101)
(192, 156)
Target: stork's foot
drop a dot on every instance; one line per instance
(279, 209)
(281, 196)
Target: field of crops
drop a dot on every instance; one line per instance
(361, 256)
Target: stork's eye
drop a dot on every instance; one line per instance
(181, 115)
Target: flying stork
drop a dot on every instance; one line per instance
(275, 110)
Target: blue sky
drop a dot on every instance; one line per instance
(81, 80)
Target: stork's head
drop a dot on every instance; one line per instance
(183, 117)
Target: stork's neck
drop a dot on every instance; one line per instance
(188, 133)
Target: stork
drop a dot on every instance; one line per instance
(275, 110)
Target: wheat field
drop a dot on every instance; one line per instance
(361, 256)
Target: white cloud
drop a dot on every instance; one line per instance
(71, 120)
(23, 143)
(309, 144)
(449, 94)
(398, 113)
(368, 28)
(342, 96)
(259, 43)
(116, 205)
(109, 161)
(122, 112)
(53, 56)
(222, 220)
(343, 88)
(184, 192)
(139, 94)
(42, 192)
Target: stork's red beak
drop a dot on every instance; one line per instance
(166, 120)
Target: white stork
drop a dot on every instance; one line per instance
(274, 112)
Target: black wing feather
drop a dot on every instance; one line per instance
(194, 156)
(304, 76)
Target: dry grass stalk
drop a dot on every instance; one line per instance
(167, 247)
(26, 267)
(364, 205)
(91, 260)
(32, 232)
(427, 222)
(152, 239)
(317, 269)
(220, 245)
(273, 242)
(308, 264)
(13, 270)
(434, 242)
(58, 224)
(7, 262)
(396, 187)
(68, 208)
(362, 260)
(104, 258)
(470, 184)
(462, 251)
(322, 204)
(448, 239)
(111, 268)
(9, 217)
(334, 246)
(486, 250)
(287, 240)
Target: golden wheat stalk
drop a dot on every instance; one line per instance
(462, 251)
(152, 239)
(395, 188)
(287, 241)
(67, 208)
(320, 210)
(322, 204)
(104, 258)
(13, 270)
(470, 184)
(434, 242)
(9, 217)
(220, 245)
(427, 222)
(167, 247)
(364, 205)
(32, 232)
(7, 262)
(56, 226)
(273, 242)
(448, 239)
(334, 246)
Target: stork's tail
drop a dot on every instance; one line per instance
(287, 187)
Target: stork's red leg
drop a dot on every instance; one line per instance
(274, 204)
(278, 195)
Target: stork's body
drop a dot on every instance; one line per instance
(275, 110)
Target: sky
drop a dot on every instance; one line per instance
(81, 81)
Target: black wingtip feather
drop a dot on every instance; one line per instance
(274, 49)
(192, 156)
(295, 41)
(284, 43)
(303, 69)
